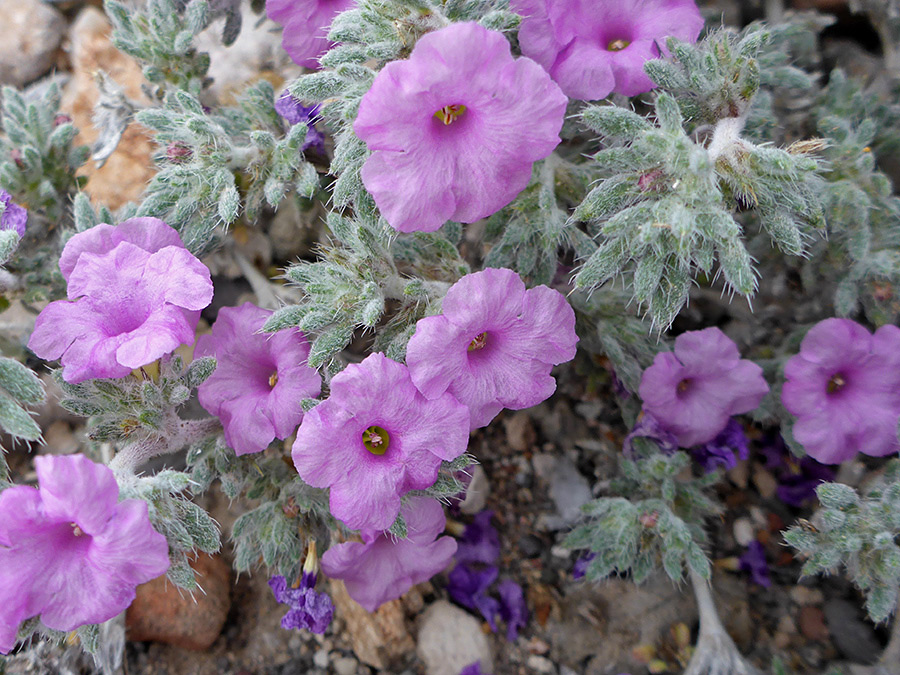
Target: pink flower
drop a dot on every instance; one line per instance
(306, 24)
(14, 216)
(70, 551)
(844, 389)
(135, 295)
(455, 128)
(382, 568)
(694, 391)
(259, 380)
(494, 344)
(592, 48)
(376, 438)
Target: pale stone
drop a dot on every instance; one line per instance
(451, 639)
(32, 31)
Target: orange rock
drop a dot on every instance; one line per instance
(123, 178)
(162, 612)
(379, 638)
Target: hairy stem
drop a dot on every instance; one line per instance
(175, 435)
(716, 653)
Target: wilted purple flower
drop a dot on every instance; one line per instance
(306, 24)
(513, 609)
(694, 390)
(376, 438)
(455, 128)
(472, 669)
(129, 308)
(753, 560)
(720, 451)
(383, 568)
(294, 112)
(844, 389)
(14, 216)
(649, 427)
(797, 477)
(70, 551)
(469, 584)
(595, 47)
(480, 542)
(494, 345)
(309, 609)
(259, 379)
(579, 569)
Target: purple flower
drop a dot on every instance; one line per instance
(844, 389)
(376, 438)
(579, 569)
(294, 112)
(649, 427)
(259, 379)
(480, 542)
(721, 450)
(306, 24)
(455, 128)
(513, 609)
(695, 390)
(70, 551)
(309, 609)
(494, 344)
(753, 561)
(472, 669)
(595, 47)
(797, 477)
(14, 216)
(382, 568)
(134, 296)
(469, 584)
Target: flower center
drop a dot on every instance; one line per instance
(77, 531)
(273, 379)
(836, 383)
(376, 440)
(449, 113)
(478, 343)
(617, 45)
(684, 385)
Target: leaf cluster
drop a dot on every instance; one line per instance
(655, 519)
(859, 533)
(133, 407)
(160, 34)
(665, 206)
(214, 165)
(186, 526)
(19, 388)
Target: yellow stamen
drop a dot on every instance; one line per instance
(273, 379)
(479, 342)
(617, 45)
(376, 440)
(449, 113)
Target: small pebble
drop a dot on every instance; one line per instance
(321, 659)
(743, 530)
(540, 664)
(345, 665)
(812, 623)
(802, 595)
(530, 546)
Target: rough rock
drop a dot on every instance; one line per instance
(606, 621)
(127, 171)
(32, 31)
(854, 637)
(162, 612)
(811, 621)
(520, 433)
(451, 639)
(378, 638)
(569, 491)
